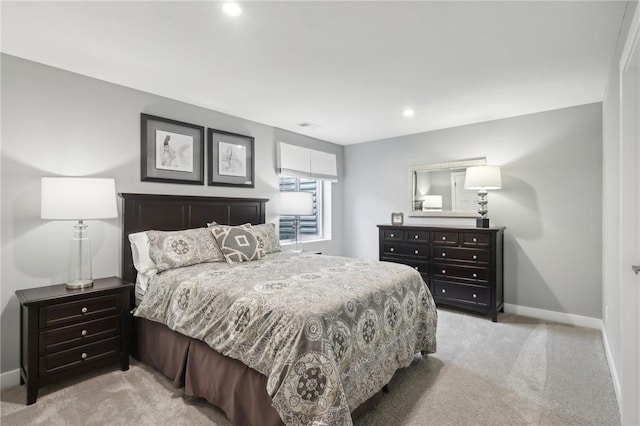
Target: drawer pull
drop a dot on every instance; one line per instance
(416, 251)
(84, 332)
(84, 310)
(415, 267)
(444, 238)
(415, 236)
(444, 254)
(444, 291)
(393, 235)
(392, 249)
(444, 271)
(84, 355)
(475, 257)
(475, 295)
(475, 275)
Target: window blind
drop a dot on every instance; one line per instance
(308, 224)
(302, 162)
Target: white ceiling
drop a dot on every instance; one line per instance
(349, 67)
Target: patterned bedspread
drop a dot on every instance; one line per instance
(327, 331)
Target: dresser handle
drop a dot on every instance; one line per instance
(393, 235)
(415, 267)
(84, 355)
(475, 240)
(475, 295)
(415, 236)
(475, 275)
(416, 251)
(444, 291)
(391, 249)
(84, 310)
(84, 332)
(444, 271)
(444, 238)
(475, 257)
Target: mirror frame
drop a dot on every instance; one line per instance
(460, 164)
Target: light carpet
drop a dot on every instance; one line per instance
(519, 371)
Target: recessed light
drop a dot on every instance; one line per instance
(232, 9)
(408, 112)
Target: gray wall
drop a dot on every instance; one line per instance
(550, 201)
(59, 123)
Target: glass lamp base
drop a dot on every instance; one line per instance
(80, 284)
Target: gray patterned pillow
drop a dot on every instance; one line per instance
(174, 249)
(238, 243)
(267, 238)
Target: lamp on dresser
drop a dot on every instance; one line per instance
(482, 178)
(76, 198)
(296, 204)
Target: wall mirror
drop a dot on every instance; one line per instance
(438, 189)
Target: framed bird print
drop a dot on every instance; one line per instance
(171, 151)
(230, 159)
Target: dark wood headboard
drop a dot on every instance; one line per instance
(143, 212)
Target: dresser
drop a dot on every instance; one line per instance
(65, 332)
(463, 266)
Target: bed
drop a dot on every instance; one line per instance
(289, 338)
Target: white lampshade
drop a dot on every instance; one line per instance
(75, 198)
(432, 202)
(483, 177)
(296, 203)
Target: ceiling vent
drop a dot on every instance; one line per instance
(309, 125)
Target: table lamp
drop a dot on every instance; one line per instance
(296, 204)
(75, 198)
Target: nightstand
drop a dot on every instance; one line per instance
(65, 332)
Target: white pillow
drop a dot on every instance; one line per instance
(142, 283)
(140, 253)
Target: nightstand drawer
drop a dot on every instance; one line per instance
(70, 336)
(75, 357)
(80, 310)
(464, 293)
(458, 254)
(459, 272)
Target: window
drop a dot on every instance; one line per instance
(311, 227)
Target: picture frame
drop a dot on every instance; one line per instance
(397, 218)
(230, 159)
(171, 151)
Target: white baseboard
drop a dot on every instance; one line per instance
(10, 379)
(554, 316)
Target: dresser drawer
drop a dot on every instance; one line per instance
(448, 270)
(471, 294)
(475, 239)
(443, 238)
(67, 337)
(417, 237)
(406, 250)
(61, 361)
(80, 310)
(393, 235)
(458, 254)
(422, 267)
